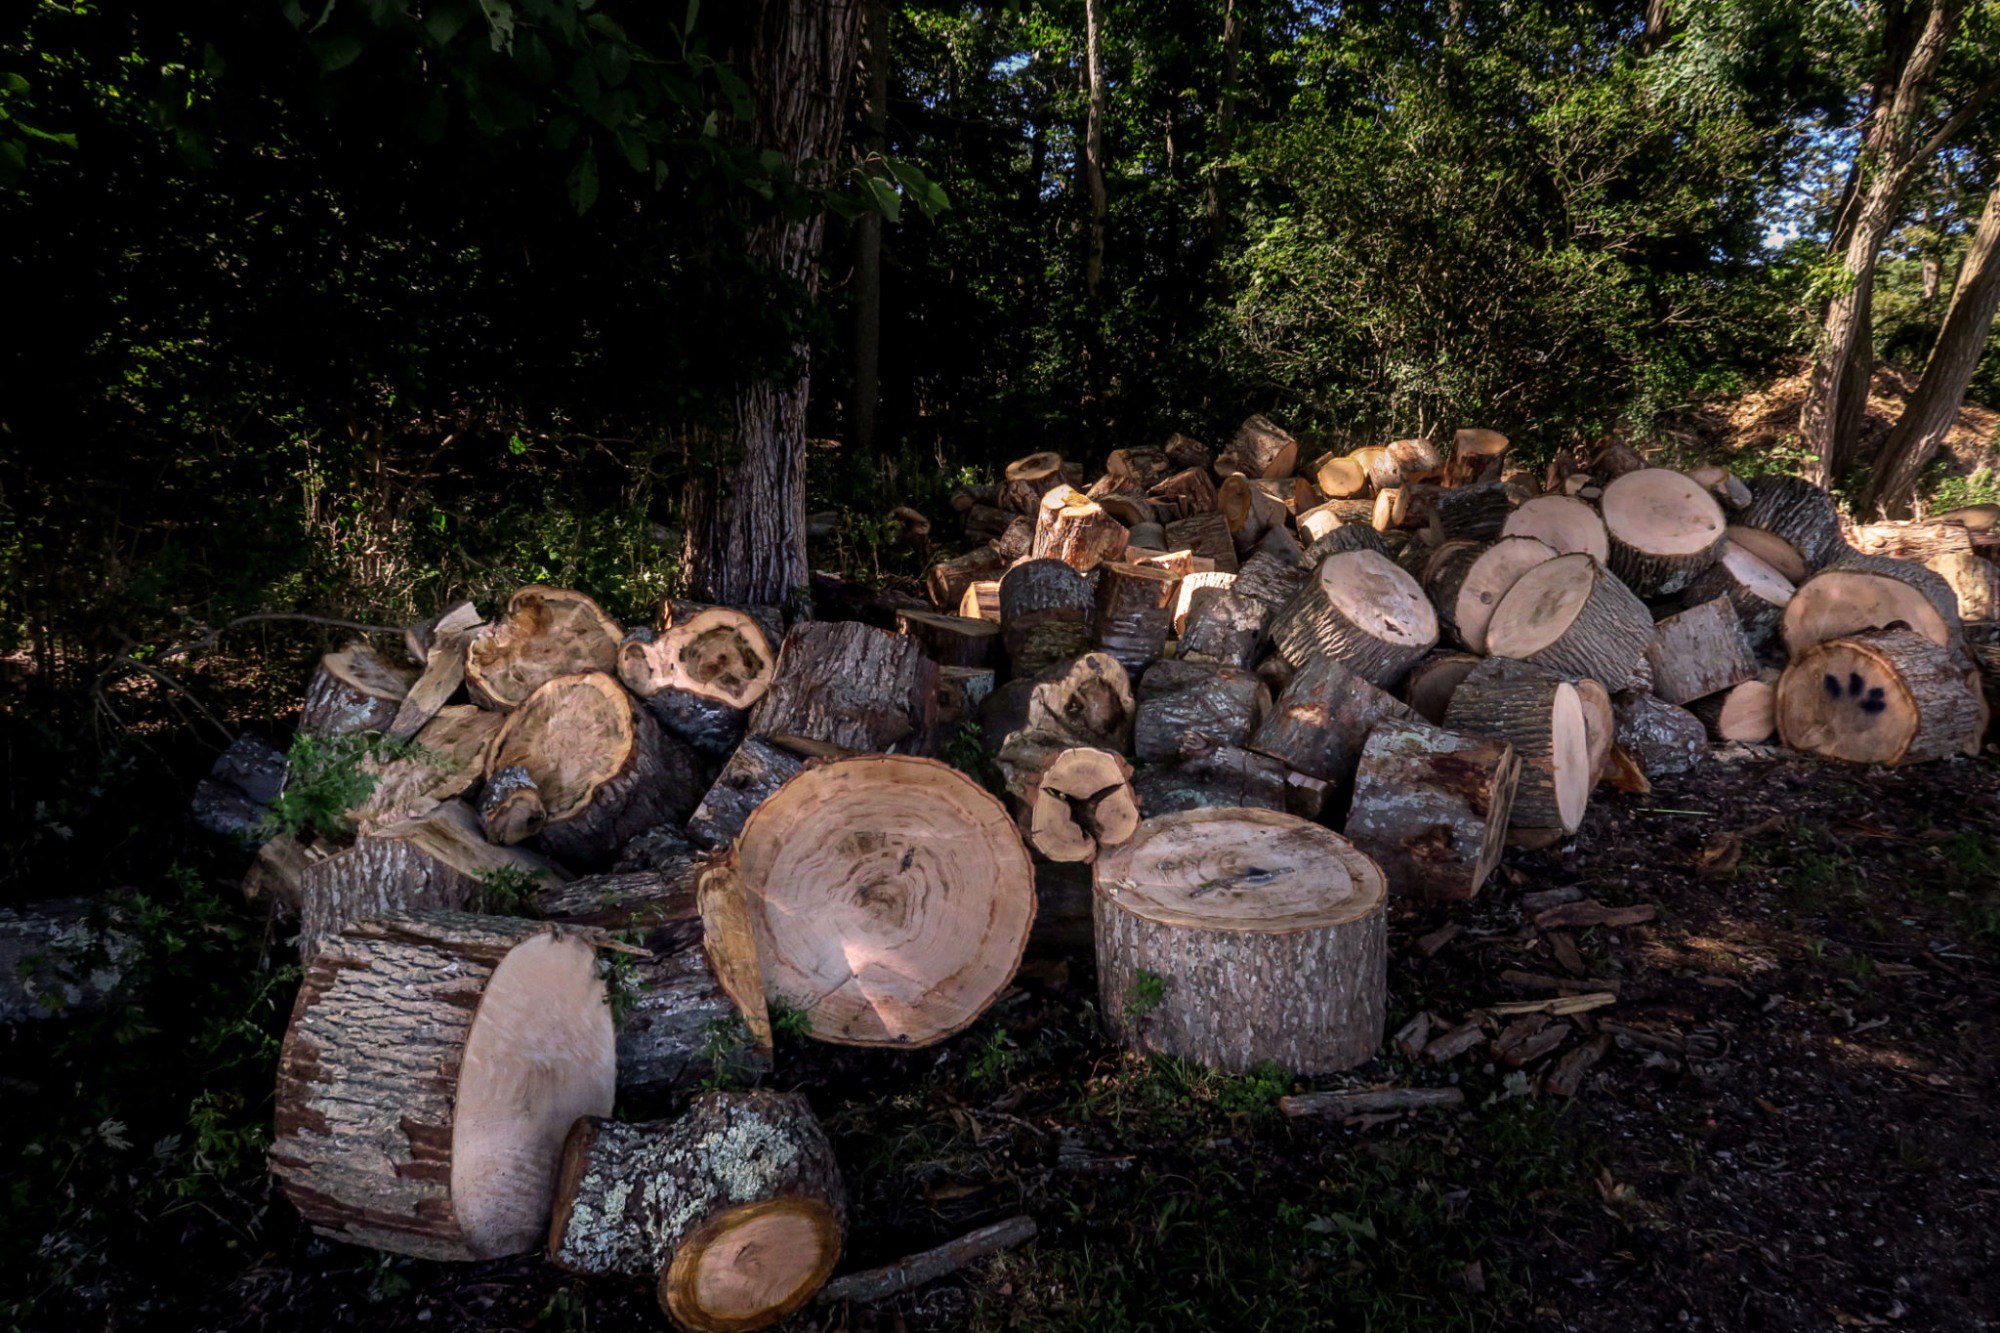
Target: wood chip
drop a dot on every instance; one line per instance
(1590, 912)
(1340, 1105)
(1562, 947)
(1568, 1075)
(1410, 1038)
(1454, 1043)
(1565, 1004)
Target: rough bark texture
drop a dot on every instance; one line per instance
(951, 640)
(1605, 638)
(1973, 580)
(1798, 513)
(1880, 697)
(1321, 720)
(1260, 449)
(709, 728)
(1183, 495)
(1272, 578)
(1473, 513)
(1179, 701)
(1214, 776)
(1431, 807)
(1699, 651)
(846, 688)
(355, 689)
(374, 877)
(1134, 607)
(1267, 937)
(1757, 592)
(1073, 528)
(757, 769)
(1518, 702)
(1384, 627)
(1663, 528)
(1661, 738)
(745, 505)
(1045, 611)
(1206, 534)
(1224, 628)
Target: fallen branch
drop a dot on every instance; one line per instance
(878, 1284)
(1340, 1105)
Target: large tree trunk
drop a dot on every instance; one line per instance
(746, 538)
(1100, 206)
(1928, 416)
(1215, 204)
(868, 238)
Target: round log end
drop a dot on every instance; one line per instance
(749, 1266)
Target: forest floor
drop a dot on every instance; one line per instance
(1794, 1126)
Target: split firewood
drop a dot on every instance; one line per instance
(1474, 513)
(1321, 720)
(1138, 467)
(419, 639)
(1392, 508)
(1745, 712)
(1590, 912)
(1224, 627)
(981, 601)
(948, 580)
(1974, 580)
(906, 1274)
(545, 633)
(1250, 508)
(444, 669)
(1562, 523)
(756, 770)
(1600, 725)
(1559, 1007)
(1087, 701)
(434, 1064)
(1363, 611)
(1880, 697)
(1758, 592)
(1450, 1045)
(1728, 489)
(1796, 516)
(1260, 448)
(718, 653)
(1026, 480)
(1864, 592)
(951, 640)
(1411, 1037)
(355, 689)
(1133, 612)
(449, 761)
(1699, 651)
(1190, 584)
(1431, 807)
(581, 765)
(1466, 580)
(1207, 535)
(1574, 617)
(1472, 453)
(1527, 1040)
(736, 1208)
(1209, 924)
(845, 688)
(1341, 1105)
(1179, 699)
(1073, 528)
(1076, 800)
(1535, 981)
(1183, 495)
(960, 692)
(1660, 737)
(1540, 714)
(1431, 682)
(1664, 530)
(1045, 612)
(1184, 451)
(890, 898)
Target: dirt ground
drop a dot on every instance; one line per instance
(1792, 1125)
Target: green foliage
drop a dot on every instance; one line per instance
(623, 986)
(1946, 491)
(1146, 993)
(510, 891)
(727, 1046)
(325, 780)
(789, 1021)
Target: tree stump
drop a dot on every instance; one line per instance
(1322, 718)
(1562, 523)
(846, 688)
(1745, 712)
(1178, 699)
(1798, 514)
(1045, 611)
(1430, 808)
(1432, 682)
(1207, 535)
(736, 1208)
(890, 898)
(433, 1067)
(1076, 800)
(1758, 592)
(1133, 609)
(1466, 582)
(1230, 937)
(355, 689)
(1864, 592)
(1183, 495)
(1260, 448)
(1540, 715)
(1879, 697)
(1661, 738)
(1699, 651)
(545, 633)
(1027, 480)
(580, 764)
(1574, 617)
(1664, 530)
(1362, 611)
(1073, 528)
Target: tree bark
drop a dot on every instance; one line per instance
(746, 537)
(1216, 200)
(1100, 205)
(861, 414)
(1928, 416)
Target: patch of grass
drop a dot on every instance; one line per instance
(507, 891)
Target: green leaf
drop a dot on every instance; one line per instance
(500, 20)
(443, 23)
(614, 62)
(562, 131)
(694, 8)
(339, 51)
(887, 202)
(583, 182)
(11, 82)
(634, 149)
(533, 57)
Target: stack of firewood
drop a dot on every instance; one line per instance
(1231, 706)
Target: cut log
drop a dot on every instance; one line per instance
(1183, 495)
(1562, 523)
(1800, 515)
(1250, 508)
(420, 638)
(433, 1067)
(1347, 537)
(1431, 683)
(712, 730)
(753, 773)
(960, 692)
(235, 799)
(1729, 491)
(1340, 477)
(1209, 777)
(1027, 480)
(1184, 451)
(1863, 592)
(1392, 507)
(1271, 578)
(984, 523)
(1260, 448)
(890, 898)
(1699, 651)
(449, 762)
(598, 772)
(1014, 544)
(736, 1208)
(1076, 799)
(444, 670)
(1664, 530)
(1474, 513)
(1134, 608)
(1466, 582)
(913, 1271)
(1045, 611)
(1224, 628)
(1207, 535)
(1774, 551)
(1745, 712)
(1431, 808)
(1540, 714)
(1178, 699)
(1362, 611)
(1145, 541)
(964, 498)
(1661, 738)
(1190, 584)
(951, 640)
(948, 580)
(1139, 467)
(355, 689)
(1073, 528)
(1086, 702)
(1322, 520)
(545, 633)
(1231, 937)
(719, 653)
(1758, 592)
(1574, 617)
(1974, 581)
(981, 601)
(273, 881)
(1879, 697)
(1417, 459)
(1321, 719)
(1130, 511)
(845, 688)
(1473, 452)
